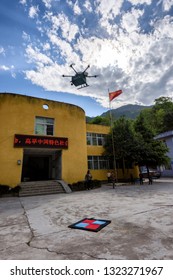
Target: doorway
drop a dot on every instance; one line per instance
(41, 164)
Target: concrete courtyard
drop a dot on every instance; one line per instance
(141, 224)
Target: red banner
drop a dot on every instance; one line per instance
(114, 94)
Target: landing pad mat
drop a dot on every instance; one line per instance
(90, 224)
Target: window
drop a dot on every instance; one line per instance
(44, 126)
(168, 166)
(95, 139)
(89, 138)
(98, 162)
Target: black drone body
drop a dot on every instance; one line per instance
(79, 80)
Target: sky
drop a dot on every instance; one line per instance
(127, 43)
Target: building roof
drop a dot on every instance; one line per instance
(163, 135)
(38, 98)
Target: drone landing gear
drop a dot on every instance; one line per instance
(83, 86)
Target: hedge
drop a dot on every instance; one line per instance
(6, 190)
(81, 185)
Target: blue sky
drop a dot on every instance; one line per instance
(129, 44)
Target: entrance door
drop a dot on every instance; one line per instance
(39, 167)
(41, 164)
(36, 168)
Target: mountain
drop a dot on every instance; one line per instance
(129, 111)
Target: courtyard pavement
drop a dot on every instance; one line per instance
(141, 228)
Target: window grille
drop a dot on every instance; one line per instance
(44, 126)
(95, 139)
(98, 162)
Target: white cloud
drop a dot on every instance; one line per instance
(108, 9)
(26, 37)
(130, 20)
(136, 2)
(163, 28)
(75, 6)
(11, 69)
(124, 56)
(46, 47)
(77, 9)
(23, 2)
(98, 52)
(88, 6)
(35, 56)
(33, 11)
(69, 2)
(2, 51)
(13, 73)
(167, 4)
(47, 3)
(4, 68)
(61, 22)
(64, 48)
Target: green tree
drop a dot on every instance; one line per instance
(159, 118)
(152, 152)
(168, 121)
(100, 120)
(134, 142)
(162, 114)
(163, 103)
(124, 141)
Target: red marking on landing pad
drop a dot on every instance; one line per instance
(90, 224)
(88, 221)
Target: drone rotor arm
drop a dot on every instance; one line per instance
(93, 76)
(73, 68)
(66, 76)
(86, 68)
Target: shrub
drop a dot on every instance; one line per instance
(15, 190)
(81, 185)
(4, 189)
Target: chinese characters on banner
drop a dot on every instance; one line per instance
(40, 141)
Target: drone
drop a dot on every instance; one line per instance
(79, 79)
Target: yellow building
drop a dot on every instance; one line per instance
(43, 140)
(97, 163)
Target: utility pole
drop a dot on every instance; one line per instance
(112, 136)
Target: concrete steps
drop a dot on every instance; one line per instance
(41, 188)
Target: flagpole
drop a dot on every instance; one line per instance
(112, 135)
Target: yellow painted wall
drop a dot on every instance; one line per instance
(17, 116)
(127, 173)
(98, 151)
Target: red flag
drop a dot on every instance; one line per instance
(114, 94)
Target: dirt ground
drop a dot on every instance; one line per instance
(141, 225)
